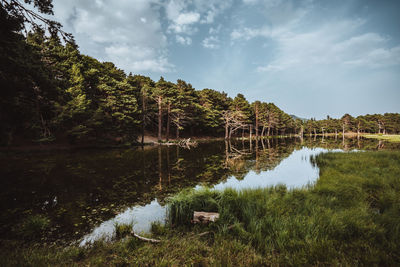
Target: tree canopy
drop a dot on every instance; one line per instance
(50, 91)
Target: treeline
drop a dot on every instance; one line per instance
(388, 123)
(50, 91)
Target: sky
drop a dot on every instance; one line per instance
(312, 58)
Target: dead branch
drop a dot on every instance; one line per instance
(146, 239)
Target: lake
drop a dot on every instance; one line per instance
(85, 192)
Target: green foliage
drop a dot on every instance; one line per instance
(50, 91)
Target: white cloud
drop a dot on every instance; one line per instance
(332, 44)
(184, 40)
(128, 34)
(183, 23)
(250, 33)
(211, 42)
(184, 16)
(187, 18)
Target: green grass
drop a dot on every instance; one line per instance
(388, 137)
(351, 216)
(122, 230)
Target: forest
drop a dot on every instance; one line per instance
(53, 93)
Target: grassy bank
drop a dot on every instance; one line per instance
(388, 137)
(351, 216)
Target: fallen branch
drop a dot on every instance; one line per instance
(146, 239)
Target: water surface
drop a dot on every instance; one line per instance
(84, 191)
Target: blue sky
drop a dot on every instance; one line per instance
(311, 58)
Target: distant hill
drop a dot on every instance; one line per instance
(295, 117)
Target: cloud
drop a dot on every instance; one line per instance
(338, 44)
(183, 23)
(211, 42)
(183, 40)
(184, 16)
(129, 34)
(250, 33)
(187, 18)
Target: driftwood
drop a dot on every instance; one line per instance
(204, 217)
(145, 238)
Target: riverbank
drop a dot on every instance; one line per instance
(387, 137)
(349, 217)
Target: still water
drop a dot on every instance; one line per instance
(85, 192)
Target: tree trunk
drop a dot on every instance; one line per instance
(250, 129)
(269, 129)
(226, 131)
(177, 128)
(159, 100)
(262, 131)
(256, 122)
(168, 121)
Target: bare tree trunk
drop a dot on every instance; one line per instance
(226, 131)
(343, 134)
(168, 121)
(256, 122)
(250, 129)
(269, 129)
(177, 128)
(159, 100)
(262, 131)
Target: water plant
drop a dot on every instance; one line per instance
(33, 226)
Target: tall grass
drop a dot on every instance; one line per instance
(351, 215)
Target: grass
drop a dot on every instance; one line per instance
(351, 216)
(122, 230)
(387, 137)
